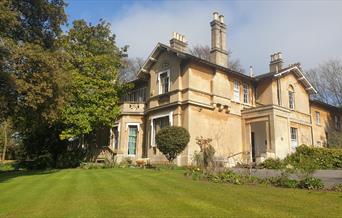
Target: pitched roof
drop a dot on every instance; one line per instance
(292, 68)
(162, 47)
(326, 105)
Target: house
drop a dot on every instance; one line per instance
(249, 118)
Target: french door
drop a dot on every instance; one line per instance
(132, 140)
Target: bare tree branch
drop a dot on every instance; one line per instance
(327, 79)
(203, 52)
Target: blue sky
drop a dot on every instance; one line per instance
(309, 32)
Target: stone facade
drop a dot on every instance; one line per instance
(249, 118)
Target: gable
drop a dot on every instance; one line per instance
(300, 77)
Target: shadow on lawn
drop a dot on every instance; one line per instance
(8, 175)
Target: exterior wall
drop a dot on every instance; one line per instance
(265, 92)
(326, 125)
(301, 95)
(123, 123)
(170, 62)
(224, 129)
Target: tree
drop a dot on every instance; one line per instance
(327, 79)
(33, 73)
(203, 52)
(171, 141)
(95, 90)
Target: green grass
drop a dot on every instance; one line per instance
(149, 193)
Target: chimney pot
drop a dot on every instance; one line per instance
(216, 15)
(221, 18)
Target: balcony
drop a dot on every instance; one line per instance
(132, 107)
(134, 101)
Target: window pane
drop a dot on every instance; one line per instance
(236, 91)
(245, 93)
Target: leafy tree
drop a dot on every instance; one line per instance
(171, 141)
(95, 90)
(32, 70)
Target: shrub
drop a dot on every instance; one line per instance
(337, 188)
(71, 158)
(271, 163)
(283, 181)
(205, 157)
(42, 161)
(172, 140)
(309, 158)
(311, 183)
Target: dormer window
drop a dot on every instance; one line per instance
(164, 81)
(291, 98)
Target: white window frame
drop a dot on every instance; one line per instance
(138, 129)
(318, 118)
(245, 93)
(159, 82)
(169, 114)
(236, 91)
(293, 105)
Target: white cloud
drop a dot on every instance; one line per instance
(306, 32)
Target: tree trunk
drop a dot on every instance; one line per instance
(5, 143)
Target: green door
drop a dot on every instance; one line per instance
(132, 140)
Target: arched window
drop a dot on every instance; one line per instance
(291, 97)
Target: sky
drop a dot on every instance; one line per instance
(309, 32)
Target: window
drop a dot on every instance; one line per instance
(245, 93)
(294, 138)
(158, 124)
(115, 136)
(337, 122)
(291, 100)
(236, 90)
(136, 95)
(318, 118)
(164, 82)
(132, 139)
(291, 97)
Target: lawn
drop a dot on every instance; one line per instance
(149, 193)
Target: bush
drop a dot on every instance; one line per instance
(271, 163)
(71, 158)
(311, 183)
(43, 161)
(337, 188)
(283, 181)
(309, 158)
(172, 140)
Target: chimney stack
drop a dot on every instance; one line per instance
(218, 53)
(178, 42)
(276, 63)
